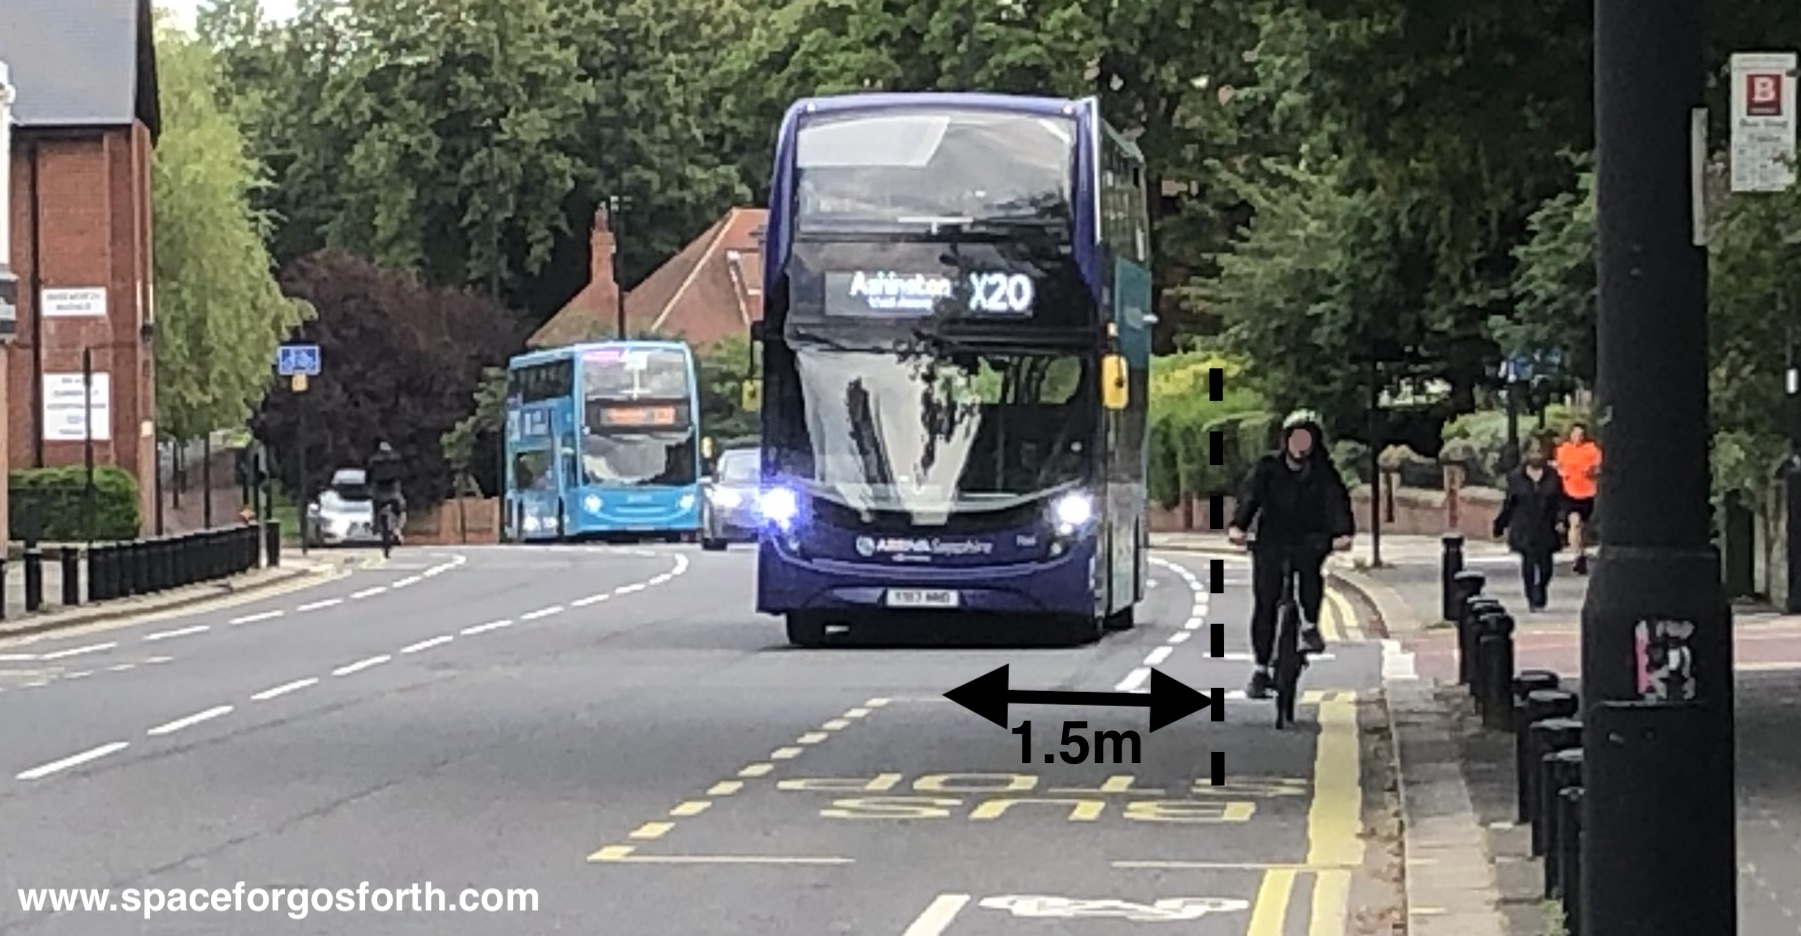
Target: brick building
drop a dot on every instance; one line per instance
(86, 117)
(712, 289)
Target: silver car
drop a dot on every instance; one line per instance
(344, 513)
(729, 512)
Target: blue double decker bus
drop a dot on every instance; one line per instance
(955, 362)
(602, 441)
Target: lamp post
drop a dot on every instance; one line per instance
(1659, 851)
(9, 283)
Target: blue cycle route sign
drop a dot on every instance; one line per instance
(297, 359)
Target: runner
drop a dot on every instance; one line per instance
(1579, 462)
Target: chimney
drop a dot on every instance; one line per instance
(602, 247)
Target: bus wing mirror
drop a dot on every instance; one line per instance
(751, 395)
(1115, 391)
(756, 330)
(706, 447)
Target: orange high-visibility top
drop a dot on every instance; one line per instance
(1574, 462)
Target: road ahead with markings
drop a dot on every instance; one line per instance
(614, 734)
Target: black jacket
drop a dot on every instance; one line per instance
(1308, 507)
(384, 472)
(1532, 512)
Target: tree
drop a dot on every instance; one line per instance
(220, 312)
(471, 140)
(472, 447)
(722, 369)
(401, 360)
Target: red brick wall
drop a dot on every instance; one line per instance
(1416, 511)
(95, 231)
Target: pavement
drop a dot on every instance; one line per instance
(611, 740)
(1470, 770)
(294, 571)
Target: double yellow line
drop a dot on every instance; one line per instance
(1334, 826)
(1338, 619)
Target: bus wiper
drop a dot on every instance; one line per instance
(829, 342)
(942, 344)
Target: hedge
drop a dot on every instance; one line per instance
(1182, 418)
(56, 497)
(1476, 439)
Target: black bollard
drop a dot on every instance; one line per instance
(1526, 683)
(1468, 632)
(1557, 772)
(1541, 705)
(1569, 830)
(140, 567)
(34, 576)
(1548, 737)
(71, 562)
(1453, 563)
(2, 585)
(97, 562)
(1495, 672)
(272, 543)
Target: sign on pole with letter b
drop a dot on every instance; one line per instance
(1763, 121)
(297, 359)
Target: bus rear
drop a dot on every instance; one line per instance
(943, 400)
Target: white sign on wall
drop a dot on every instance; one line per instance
(1763, 121)
(74, 303)
(66, 419)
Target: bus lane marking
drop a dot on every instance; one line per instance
(1162, 910)
(1334, 833)
(660, 828)
(980, 797)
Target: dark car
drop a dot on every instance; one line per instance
(729, 512)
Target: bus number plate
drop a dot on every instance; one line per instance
(922, 598)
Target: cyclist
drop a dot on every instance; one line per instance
(1302, 512)
(384, 471)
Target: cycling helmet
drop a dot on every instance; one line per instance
(1309, 420)
(1302, 419)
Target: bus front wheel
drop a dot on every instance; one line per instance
(805, 629)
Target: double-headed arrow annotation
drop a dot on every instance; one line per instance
(1169, 700)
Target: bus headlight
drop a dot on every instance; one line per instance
(779, 506)
(686, 502)
(1072, 512)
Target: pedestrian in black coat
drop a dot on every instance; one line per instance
(1531, 519)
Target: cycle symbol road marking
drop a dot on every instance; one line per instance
(1164, 910)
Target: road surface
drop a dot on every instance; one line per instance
(610, 740)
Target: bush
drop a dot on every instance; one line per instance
(1481, 436)
(55, 497)
(1182, 419)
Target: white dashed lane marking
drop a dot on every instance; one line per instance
(427, 644)
(285, 688)
(275, 692)
(78, 651)
(361, 665)
(190, 721)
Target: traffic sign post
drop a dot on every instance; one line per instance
(1763, 121)
(297, 362)
(297, 359)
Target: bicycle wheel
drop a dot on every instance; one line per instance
(1288, 663)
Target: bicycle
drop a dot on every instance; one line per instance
(1291, 660)
(385, 523)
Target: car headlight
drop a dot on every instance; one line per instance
(726, 497)
(779, 506)
(1072, 511)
